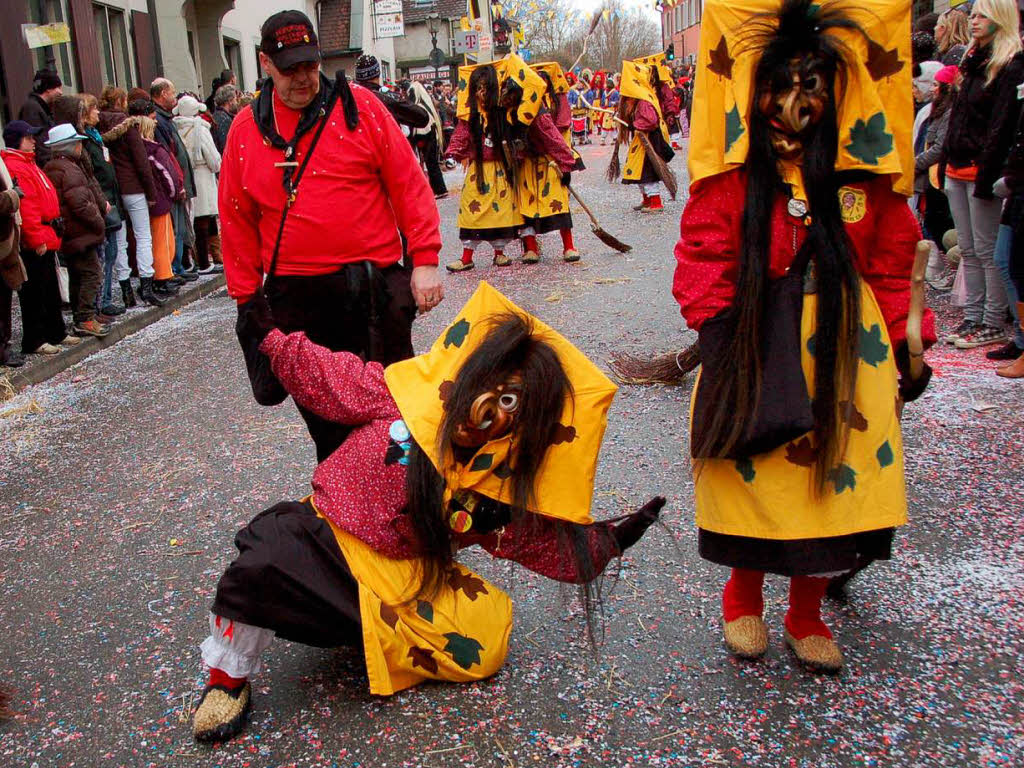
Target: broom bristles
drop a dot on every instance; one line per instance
(668, 178)
(595, 21)
(670, 368)
(613, 165)
(610, 240)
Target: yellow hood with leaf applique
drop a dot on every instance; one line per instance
(875, 106)
(565, 481)
(555, 72)
(511, 67)
(636, 84)
(660, 62)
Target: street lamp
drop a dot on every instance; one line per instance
(436, 54)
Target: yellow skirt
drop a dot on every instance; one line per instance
(541, 197)
(770, 496)
(491, 214)
(458, 635)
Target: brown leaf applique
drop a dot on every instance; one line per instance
(853, 418)
(475, 206)
(721, 61)
(801, 453)
(882, 63)
(468, 583)
(424, 659)
(446, 390)
(556, 205)
(563, 434)
(388, 615)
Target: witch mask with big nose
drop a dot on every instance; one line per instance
(793, 102)
(492, 415)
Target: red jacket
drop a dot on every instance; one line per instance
(711, 234)
(39, 204)
(360, 189)
(364, 494)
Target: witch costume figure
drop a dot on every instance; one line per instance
(490, 438)
(488, 140)
(794, 260)
(642, 127)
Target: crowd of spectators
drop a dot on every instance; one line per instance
(969, 170)
(98, 189)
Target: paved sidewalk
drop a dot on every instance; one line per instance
(39, 368)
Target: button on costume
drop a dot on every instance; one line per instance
(467, 444)
(778, 87)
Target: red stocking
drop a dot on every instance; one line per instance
(219, 677)
(567, 243)
(742, 595)
(467, 255)
(530, 243)
(804, 615)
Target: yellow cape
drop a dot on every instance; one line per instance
(875, 110)
(659, 61)
(554, 70)
(636, 84)
(511, 67)
(565, 481)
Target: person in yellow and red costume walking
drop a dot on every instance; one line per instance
(640, 112)
(794, 263)
(491, 438)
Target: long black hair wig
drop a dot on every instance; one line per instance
(799, 31)
(509, 348)
(490, 123)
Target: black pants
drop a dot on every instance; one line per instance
(206, 227)
(291, 577)
(361, 309)
(6, 295)
(431, 155)
(41, 318)
(84, 281)
(937, 218)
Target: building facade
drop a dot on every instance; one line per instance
(680, 27)
(427, 21)
(130, 42)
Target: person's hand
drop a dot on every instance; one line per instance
(566, 178)
(911, 389)
(40, 250)
(426, 288)
(107, 209)
(255, 320)
(628, 532)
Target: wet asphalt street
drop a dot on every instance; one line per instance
(124, 479)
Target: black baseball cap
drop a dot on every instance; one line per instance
(288, 39)
(16, 130)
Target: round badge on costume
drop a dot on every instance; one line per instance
(796, 208)
(398, 431)
(460, 521)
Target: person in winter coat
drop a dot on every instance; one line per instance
(226, 102)
(46, 87)
(427, 140)
(162, 94)
(42, 324)
(930, 202)
(981, 129)
(202, 153)
(120, 134)
(82, 207)
(115, 246)
(12, 268)
(169, 189)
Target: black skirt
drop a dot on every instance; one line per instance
(796, 557)
(290, 576)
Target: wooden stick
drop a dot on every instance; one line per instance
(586, 40)
(915, 344)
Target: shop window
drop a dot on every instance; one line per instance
(233, 56)
(56, 57)
(116, 60)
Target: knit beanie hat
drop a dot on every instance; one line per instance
(367, 67)
(44, 80)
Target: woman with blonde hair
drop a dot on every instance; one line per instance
(982, 125)
(952, 36)
(169, 183)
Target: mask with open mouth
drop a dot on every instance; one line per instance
(492, 415)
(793, 102)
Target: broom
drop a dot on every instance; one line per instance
(670, 368)
(668, 178)
(593, 26)
(605, 237)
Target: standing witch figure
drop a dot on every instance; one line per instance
(661, 82)
(543, 177)
(469, 444)
(484, 142)
(794, 260)
(640, 113)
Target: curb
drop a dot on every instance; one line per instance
(49, 367)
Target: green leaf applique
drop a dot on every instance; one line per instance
(733, 127)
(872, 349)
(885, 455)
(746, 469)
(843, 477)
(457, 334)
(482, 462)
(870, 141)
(465, 651)
(425, 610)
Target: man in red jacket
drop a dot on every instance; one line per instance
(324, 224)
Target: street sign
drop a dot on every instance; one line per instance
(388, 18)
(466, 40)
(436, 58)
(43, 35)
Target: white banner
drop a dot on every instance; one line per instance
(43, 35)
(387, 16)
